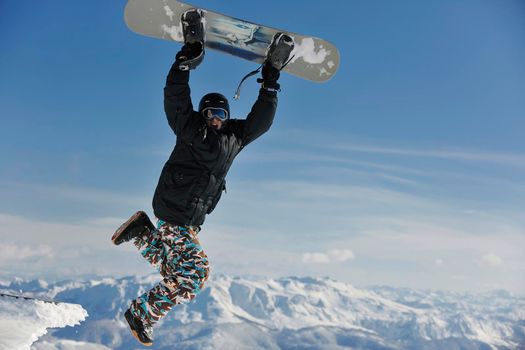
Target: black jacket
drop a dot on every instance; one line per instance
(193, 178)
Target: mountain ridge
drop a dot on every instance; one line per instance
(283, 313)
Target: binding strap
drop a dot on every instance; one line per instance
(252, 73)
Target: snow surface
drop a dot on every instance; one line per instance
(60, 344)
(22, 321)
(289, 313)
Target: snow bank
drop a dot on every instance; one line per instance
(22, 321)
(59, 344)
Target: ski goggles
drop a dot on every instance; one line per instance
(212, 113)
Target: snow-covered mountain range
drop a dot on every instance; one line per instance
(289, 313)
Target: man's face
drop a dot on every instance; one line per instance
(215, 123)
(215, 117)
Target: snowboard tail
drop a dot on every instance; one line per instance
(312, 58)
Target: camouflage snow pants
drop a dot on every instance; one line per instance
(176, 252)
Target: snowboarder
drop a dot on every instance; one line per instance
(193, 178)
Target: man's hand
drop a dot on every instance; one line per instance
(270, 75)
(190, 56)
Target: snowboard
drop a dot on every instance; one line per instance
(312, 59)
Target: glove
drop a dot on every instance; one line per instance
(190, 54)
(188, 51)
(270, 75)
(184, 57)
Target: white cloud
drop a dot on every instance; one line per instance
(106, 222)
(492, 260)
(509, 159)
(331, 256)
(421, 240)
(387, 228)
(72, 195)
(458, 277)
(91, 195)
(342, 143)
(34, 248)
(14, 253)
(316, 258)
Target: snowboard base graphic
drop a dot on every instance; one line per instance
(312, 58)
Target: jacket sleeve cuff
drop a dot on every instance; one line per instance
(177, 76)
(267, 94)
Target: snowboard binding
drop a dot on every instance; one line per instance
(278, 53)
(193, 31)
(277, 56)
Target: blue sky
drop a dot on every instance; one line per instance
(405, 169)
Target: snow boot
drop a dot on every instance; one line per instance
(136, 225)
(143, 332)
(193, 31)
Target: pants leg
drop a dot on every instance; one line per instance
(176, 252)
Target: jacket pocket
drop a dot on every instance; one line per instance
(212, 202)
(179, 189)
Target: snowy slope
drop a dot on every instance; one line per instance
(293, 313)
(22, 321)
